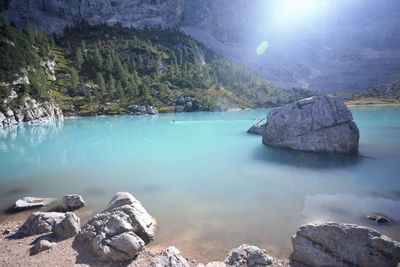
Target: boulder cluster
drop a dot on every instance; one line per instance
(187, 104)
(142, 110)
(122, 230)
(28, 111)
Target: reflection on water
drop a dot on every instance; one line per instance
(305, 159)
(210, 185)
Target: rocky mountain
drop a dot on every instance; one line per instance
(350, 46)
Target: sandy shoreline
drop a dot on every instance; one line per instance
(16, 251)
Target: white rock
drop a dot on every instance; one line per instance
(171, 257)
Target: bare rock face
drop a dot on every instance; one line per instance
(121, 231)
(171, 257)
(29, 111)
(68, 227)
(250, 256)
(316, 124)
(334, 244)
(72, 202)
(41, 222)
(54, 15)
(257, 129)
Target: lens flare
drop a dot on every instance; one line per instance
(262, 48)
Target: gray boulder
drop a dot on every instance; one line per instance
(334, 244)
(72, 202)
(41, 222)
(68, 227)
(121, 231)
(250, 256)
(31, 202)
(212, 264)
(42, 245)
(151, 110)
(171, 257)
(315, 124)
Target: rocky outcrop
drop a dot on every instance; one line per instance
(250, 256)
(28, 111)
(187, 104)
(54, 15)
(31, 202)
(171, 257)
(49, 66)
(315, 124)
(142, 110)
(121, 231)
(334, 244)
(72, 202)
(41, 222)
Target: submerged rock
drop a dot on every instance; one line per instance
(121, 231)
(257, 129)
(315, 124)
(171, 257)
(42, 245)
(41, 222)
(68, 227)
(31, 202)
(378, 218)
(250, 256)
(72, 202)
(334, 244)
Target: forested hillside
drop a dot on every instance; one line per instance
(103, 69)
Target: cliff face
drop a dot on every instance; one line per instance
(355, 46)
(54, 15)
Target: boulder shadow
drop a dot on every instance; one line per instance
(302, 159)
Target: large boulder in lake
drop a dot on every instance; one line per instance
(315, 124)
(334, 244)
(121, 231)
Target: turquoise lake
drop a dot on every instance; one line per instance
(210, 185)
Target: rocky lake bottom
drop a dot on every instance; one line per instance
(210, 185)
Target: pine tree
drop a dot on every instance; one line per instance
(78, 58)
(30, 30)
(74, 78)
(120, 94)
(101, 83)
(97, 58)
(111, 86)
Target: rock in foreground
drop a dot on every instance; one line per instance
(41, 222)
(171, 257)
(72, 202)
(250, 256)
(31, 202)
(121, 231)
(68, 227)
(316, 124)
(334, 244)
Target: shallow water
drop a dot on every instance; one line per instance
(210, 185)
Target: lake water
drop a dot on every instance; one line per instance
(210, 185)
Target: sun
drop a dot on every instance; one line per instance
(289, 12)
